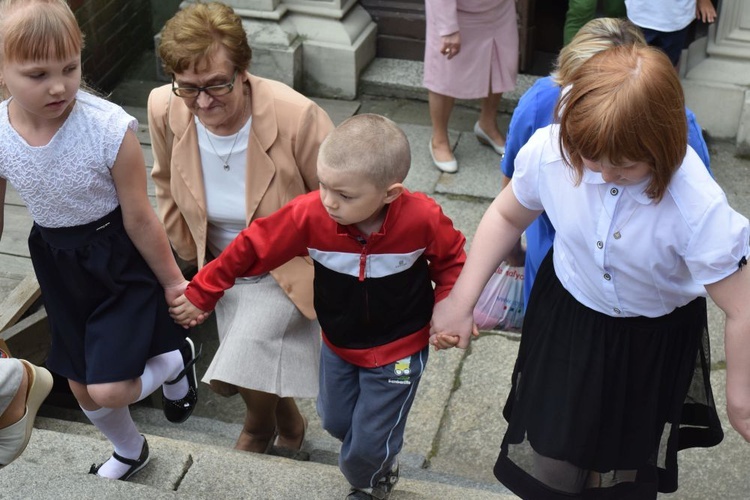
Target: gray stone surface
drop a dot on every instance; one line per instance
(56, 463)
(473, 426)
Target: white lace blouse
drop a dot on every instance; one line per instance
(67, 182)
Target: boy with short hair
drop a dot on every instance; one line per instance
(376, 248)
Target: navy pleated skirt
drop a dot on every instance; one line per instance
(599, 406)
(106, 309)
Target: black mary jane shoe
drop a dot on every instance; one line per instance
(135, 465)
(178, 410)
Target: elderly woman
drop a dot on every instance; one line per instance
(230, 147)
(471, 52)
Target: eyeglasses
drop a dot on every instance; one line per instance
(212, 90)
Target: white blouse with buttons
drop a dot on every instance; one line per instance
(619, 252)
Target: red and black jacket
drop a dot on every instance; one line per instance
(373, 295)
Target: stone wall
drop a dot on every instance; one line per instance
(117, 32)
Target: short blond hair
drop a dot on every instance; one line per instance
(196, 32)
(369, 145)
(35, 30)
(625, 104)
(595, 36)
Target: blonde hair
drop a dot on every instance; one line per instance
(625, 104)
(369, 145)
(35, 30)
(595, 36)
(197, 31)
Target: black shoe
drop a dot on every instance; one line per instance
(381, 491)
(135, 465)
(179, 410)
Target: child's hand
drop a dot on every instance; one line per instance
(450, 318)
(185, 313)
(442, 341)
(704, 11)
(172, 292)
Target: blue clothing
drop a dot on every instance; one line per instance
(535, 110)
(366, 409)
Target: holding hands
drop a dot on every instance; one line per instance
(452, 325)
(174, 291)
(185, 313)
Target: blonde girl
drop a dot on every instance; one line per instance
(99, 252)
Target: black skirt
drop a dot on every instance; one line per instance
(599, 406)
(106, 309)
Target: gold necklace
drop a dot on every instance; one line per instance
(617, 234)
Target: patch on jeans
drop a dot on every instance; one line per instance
(401, 370)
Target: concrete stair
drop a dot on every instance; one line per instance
(56, 463)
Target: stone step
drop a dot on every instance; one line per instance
(56, 464)
(402, 79)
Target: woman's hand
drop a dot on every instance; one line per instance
(451, 45)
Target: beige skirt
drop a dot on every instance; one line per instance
(265, 343)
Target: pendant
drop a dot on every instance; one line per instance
(226, 167)
(617, 235)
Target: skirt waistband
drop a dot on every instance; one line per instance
(75, 236)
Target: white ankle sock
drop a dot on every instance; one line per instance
(117, 425)
(160, 369)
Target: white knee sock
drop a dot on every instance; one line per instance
(160, 369)
(117, 425)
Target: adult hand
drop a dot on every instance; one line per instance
(704, 10)
(451, 45)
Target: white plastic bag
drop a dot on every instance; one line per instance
(500, 306)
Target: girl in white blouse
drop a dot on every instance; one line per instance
(611, 378)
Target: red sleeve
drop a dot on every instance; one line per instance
(264, 245)
(445, 253)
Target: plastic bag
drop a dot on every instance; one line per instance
(500, 306)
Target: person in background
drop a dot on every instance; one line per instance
(612, 376)
(665, 23)
(535, 110)
(471, 52)
(581, 12)
(230, 147)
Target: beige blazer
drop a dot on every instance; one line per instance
(282, 153)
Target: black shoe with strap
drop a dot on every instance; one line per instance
(178, 410)
(135, 465)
